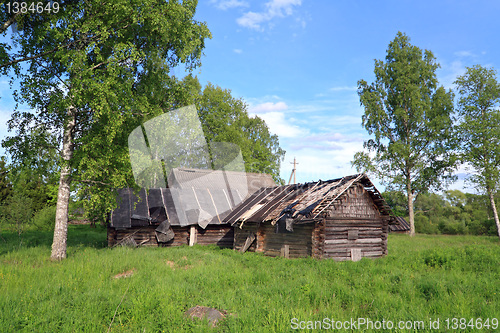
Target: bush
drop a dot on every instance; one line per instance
(17, 212)
(424, 226)
(45, 218)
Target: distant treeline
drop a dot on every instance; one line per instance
(452, 212)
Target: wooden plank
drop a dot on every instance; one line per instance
(355, 254)
(285, 251)
(250, 239)
(192, 235)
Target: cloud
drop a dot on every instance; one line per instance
(273, 8)
(229, 4)
(281, 126)
(332, 137)
(449, 73)
(238, 51)
(464, 54)
(268, 107)
(331, 146)
(344, 88)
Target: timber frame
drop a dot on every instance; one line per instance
(341, 219)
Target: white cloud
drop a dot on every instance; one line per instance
(228, 4)
(344, 88)
(281, 126)
(238, 51)
(449, 73)
(464, 54)
(268, 107)
(273, 8)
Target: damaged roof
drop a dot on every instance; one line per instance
(301, 201)
(195, 197)
(401, 225)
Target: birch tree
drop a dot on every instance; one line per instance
(479, 129)
(409, 117)
(79, 70)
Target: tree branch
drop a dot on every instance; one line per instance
(9, 22)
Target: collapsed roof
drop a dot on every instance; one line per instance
(302, 202)
(194, 197)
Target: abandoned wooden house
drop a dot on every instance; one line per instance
(191, 211)
(400, 227)
(343, 219)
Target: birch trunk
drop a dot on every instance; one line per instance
(495, 213)
(61, 226)
(410, 209)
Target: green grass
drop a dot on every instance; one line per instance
(427, 276)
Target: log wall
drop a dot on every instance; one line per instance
(145, 236)
(240, 236)
(222, 236)
(297, 243)
(354, 222)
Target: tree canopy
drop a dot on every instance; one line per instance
(478, 129)
(225, 119)
(410, 119)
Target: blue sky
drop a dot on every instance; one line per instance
(297, 62)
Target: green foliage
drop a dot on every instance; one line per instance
(29, 184)
(225, 119)
(410, 119)
(422, 277)
(478, 129)
(16, 212)
(5, 183)
(89, 64)
(44, 219)
(453, 212)
(397, 201)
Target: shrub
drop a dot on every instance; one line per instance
(44, 218)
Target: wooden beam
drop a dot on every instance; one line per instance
(192, 235)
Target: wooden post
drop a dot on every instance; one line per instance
(192, 235)
(285, 251)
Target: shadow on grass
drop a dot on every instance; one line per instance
(78, 235)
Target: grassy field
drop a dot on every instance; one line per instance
(421, 278)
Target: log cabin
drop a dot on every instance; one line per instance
(190, 211)
(342, 219)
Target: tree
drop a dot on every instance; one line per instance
(5, 183)
(479, 130)
(225, 119)
(409, 116)
(82, 72)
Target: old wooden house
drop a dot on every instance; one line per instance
(342, 219)
(191, 211)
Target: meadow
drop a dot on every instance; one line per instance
(97, 289)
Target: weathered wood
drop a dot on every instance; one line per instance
(356, 254)
(192, 235)
(250, 239)
(352, 234)
(285, 251)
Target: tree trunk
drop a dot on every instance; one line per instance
(410, 208)
(61, 227)
(495, 213)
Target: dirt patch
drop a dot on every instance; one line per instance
(126, 274)
(212, 315)
(170, 263)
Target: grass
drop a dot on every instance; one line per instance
(421, 278)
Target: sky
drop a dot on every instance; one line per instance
(296, 63)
